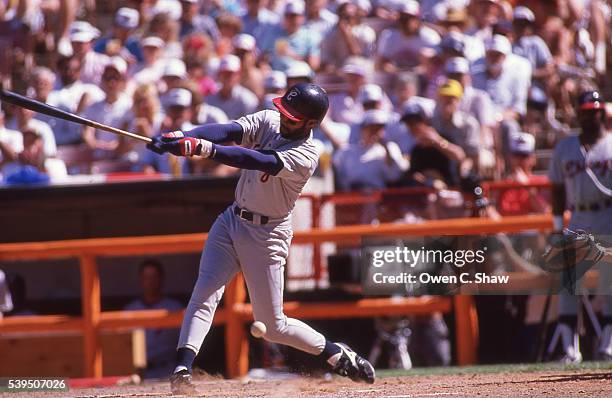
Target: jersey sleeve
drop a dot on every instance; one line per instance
(299, 163)
(555, 173)
(252, 126)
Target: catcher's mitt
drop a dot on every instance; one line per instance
(571, 249)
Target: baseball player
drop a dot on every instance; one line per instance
(581, 174)
(277, 157)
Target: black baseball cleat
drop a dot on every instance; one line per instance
(181, 383)
(353, 366)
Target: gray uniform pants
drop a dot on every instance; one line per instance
(260, 252)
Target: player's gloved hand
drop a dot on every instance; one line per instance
(178, 144)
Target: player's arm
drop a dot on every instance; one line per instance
(213, 132)
(235, 156)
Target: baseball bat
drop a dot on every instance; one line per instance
(40, 107)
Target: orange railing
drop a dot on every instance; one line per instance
(236, 312)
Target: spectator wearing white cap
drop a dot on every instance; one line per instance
(192, 21)
(299, 72)
(257, 20)
(504, 81)
(81, 37)
(404, 45)
(173, 74)
(350, 37)
(121, 40)
(110, 111)
(150, 70)
(177, 117)
(251, 76)
(520, 201)
(370, 163)
(234, 99)
(275, 82)
(319, 20)
(371, 97)
(531, 46)
(344, 106)
(289, 40)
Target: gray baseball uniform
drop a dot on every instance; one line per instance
(258, 250)
(592, 209)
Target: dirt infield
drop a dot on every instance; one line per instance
(560, 383)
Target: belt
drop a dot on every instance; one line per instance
(247, 215)
(596, 206)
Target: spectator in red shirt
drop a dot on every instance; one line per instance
(517, 201)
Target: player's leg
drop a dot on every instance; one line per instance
(567, 328)
(218, 265)
(262, 255)
(604, 351)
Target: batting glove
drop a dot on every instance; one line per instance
(186, 146)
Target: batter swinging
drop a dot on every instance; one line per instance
(277, 157)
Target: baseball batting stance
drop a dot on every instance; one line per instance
(581, 174)
(277, 157)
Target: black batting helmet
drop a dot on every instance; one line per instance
(303, 101)
(591, 100)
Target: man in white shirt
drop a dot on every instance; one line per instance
(110, 111)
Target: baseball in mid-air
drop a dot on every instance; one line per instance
(258, 329)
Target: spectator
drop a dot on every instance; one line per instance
(344, 107)
(405, 45)
(177, 108)
(299, 72)
(166, 28)
(229, 27)
(160, 343)
(24, 120)
(371, 97)
(173, 74)
(486, 14)
(110, 111)
(194, 22)
(456, 126)
(319, 20)
(275, 83)
(6, 302)
(150, 70)
(11, 142)
(478, 104)
(528, 45)
(121, 41)
(71, 94)
(145, 118)
(517, 201)
(455, 20)
(31, 164)
(350, 37)
(452, 45)
(434, 160)
(251, 75)
(203, 113)
(200, 60)
(232, 98)
(370, 163)
(506, 82)
(406, 90)
(258, 20)
(92, 63)
(540, 120)
(289, 40)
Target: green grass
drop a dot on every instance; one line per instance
(502, 368)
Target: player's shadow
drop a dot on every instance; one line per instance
(553, 379)
(579, 377)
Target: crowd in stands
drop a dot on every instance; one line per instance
(421, 93)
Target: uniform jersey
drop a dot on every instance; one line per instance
(568, 168)
(265, 194)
